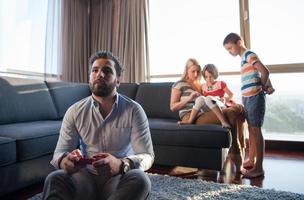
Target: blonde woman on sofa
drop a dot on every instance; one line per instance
(183, 95)
(202, 102)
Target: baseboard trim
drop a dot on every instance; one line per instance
(285, 145)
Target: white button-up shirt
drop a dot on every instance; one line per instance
(123, 133)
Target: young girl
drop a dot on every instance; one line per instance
(216, 89)
(213, 97)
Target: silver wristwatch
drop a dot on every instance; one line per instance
(125, 166)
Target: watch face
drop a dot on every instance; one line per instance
(126, 167)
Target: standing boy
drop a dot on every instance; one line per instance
(255, 83)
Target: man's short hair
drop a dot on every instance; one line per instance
(232, 38)
(107, 55)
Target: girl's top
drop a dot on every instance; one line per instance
(217, 89)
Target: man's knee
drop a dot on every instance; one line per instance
(135, 185)
(141, 179)
(56, 177)
(57, 185)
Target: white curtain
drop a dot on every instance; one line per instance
(78, 28)
(133, 39)
(122, 27)
(52, 65)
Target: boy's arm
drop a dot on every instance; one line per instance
(266, 83)
(268, 88)
(263, 71)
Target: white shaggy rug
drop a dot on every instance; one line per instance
(173, 188)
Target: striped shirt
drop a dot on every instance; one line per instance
(251, 78)
(186, 90)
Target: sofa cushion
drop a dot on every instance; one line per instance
(155, 100)
(8, 151)
(128, 89)
(168, 133)
(33, 139)
(65, 94)
(25, 100)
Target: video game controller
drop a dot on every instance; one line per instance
(82, 160)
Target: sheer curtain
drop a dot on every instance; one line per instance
(75, 40)
(67, 40)
(78, 28)
(122, 27)
(101, 24)
(52, 64)
(132, 45)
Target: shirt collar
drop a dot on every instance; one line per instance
(95, 104)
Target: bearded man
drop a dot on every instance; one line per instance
(114, 139)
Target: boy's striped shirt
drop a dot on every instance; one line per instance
(251, 78)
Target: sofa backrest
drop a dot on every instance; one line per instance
(23, 100)
(65, 94)
(128, 89)
(155, 100)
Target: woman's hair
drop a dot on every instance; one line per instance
(211, 68)
(190, 62)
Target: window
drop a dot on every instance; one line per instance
(195, 28)
(277, 37)
(22, 36)
(276, 32)
(192, 28)
(285, 108)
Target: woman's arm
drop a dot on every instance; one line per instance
(175, 102)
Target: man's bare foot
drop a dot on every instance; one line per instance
(253, 173)
(248, 164)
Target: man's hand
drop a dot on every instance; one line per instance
(107, 164)
(68, 163)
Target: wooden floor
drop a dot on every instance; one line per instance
(283, 171)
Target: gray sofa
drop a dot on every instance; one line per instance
(30, 119)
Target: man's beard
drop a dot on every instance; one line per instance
(102, 90)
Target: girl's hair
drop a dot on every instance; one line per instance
(211, 68)
(190, 62)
